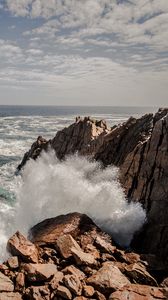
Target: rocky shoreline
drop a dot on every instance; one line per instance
(70, 257)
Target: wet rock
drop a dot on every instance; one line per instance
(39, 272)
(73, 283)
(19, 246)
(64, 244)
(108, 278)
(6, 285)
(139, 292)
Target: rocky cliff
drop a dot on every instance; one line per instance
(139, 147)
(69, 257)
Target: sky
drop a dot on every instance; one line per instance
(84, 52)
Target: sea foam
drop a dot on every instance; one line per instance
(49, 187)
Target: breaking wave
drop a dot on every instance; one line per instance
(49, 187)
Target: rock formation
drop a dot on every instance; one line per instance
(139, 147)
(77, 261)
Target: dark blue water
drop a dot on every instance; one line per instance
(6, 110)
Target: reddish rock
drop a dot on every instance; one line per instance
(140, 292)
(73, 283)
(99, 296)
(6, 285)
(48, 231)
(83, 258)
(108, 278)
(64, 244)
(19, 246)
(20, 281)
(58, 277)
(74, 271)
(103, 245)
(88, 290)
(39, 272)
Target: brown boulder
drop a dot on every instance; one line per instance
(39, 272)
(138, 274)
(108, 278)
(73, 283)
(19, 246)
(140, 292)
(13, 262)
(74, 271)
(83, 258)
(58, 277)
(38, 293)
(63, 292)
(64, 243)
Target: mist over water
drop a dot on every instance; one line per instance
(48, 188)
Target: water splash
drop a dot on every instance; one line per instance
(49, 188)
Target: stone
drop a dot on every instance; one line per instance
(13, 262)
(20, 281)
(10, 296)
(19, 246)
(63, 292)
(39, 272)
(73, 283)
(108, 278)
(58, 277)
(164, 283)
(140, 292)
(6, 285)
(88, 290)
(64, 244)
(38, 293)
(83, 258)
(104, 246)
(74, 271)
(138, 274)
(48, 231)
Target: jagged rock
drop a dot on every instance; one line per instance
(39, 272)
(38, 293)
(63, 292)
(108, 278)
(10, 296)
(20, 246)
(64, 244)
(138, 274)
(36, 148)
(6, 285)
(140, 292)
(13, 262)
(74, 271)
(103, 245)
(83, 258)
(73, 283)
(88, 290)
(58, 277)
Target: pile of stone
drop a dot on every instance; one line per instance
(69, 257)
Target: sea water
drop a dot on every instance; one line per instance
(48, 187)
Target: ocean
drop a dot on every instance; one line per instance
(32, 196)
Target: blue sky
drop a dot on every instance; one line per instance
(84, 52)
